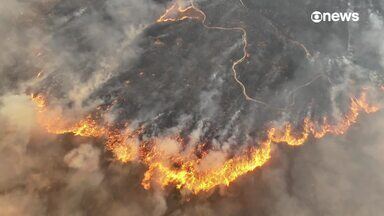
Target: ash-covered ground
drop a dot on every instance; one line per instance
(176, 78)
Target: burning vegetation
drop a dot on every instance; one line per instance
(196, 104)
(182, 168)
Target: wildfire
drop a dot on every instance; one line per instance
(53, 121)
(177, 13)
(183, 171)
(39, 101)
(187, 9)
(119, 142)
(189, 177)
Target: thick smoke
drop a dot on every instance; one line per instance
(176, 79)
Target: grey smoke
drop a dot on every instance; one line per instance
(176, 78)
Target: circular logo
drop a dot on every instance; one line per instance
(316, 17)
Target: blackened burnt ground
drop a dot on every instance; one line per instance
(183, 78)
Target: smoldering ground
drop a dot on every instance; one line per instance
(177, 76)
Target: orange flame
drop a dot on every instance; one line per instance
(189, 177)
(177, 13)
(55, 123)
(184, 171)
(39, 101)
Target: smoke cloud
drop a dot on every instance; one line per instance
(175, 82)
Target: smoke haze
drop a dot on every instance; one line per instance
(173, 81)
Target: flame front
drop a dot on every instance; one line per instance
(53, 122)
(189, 177)
(183, 171)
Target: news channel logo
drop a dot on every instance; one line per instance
(318, 17)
